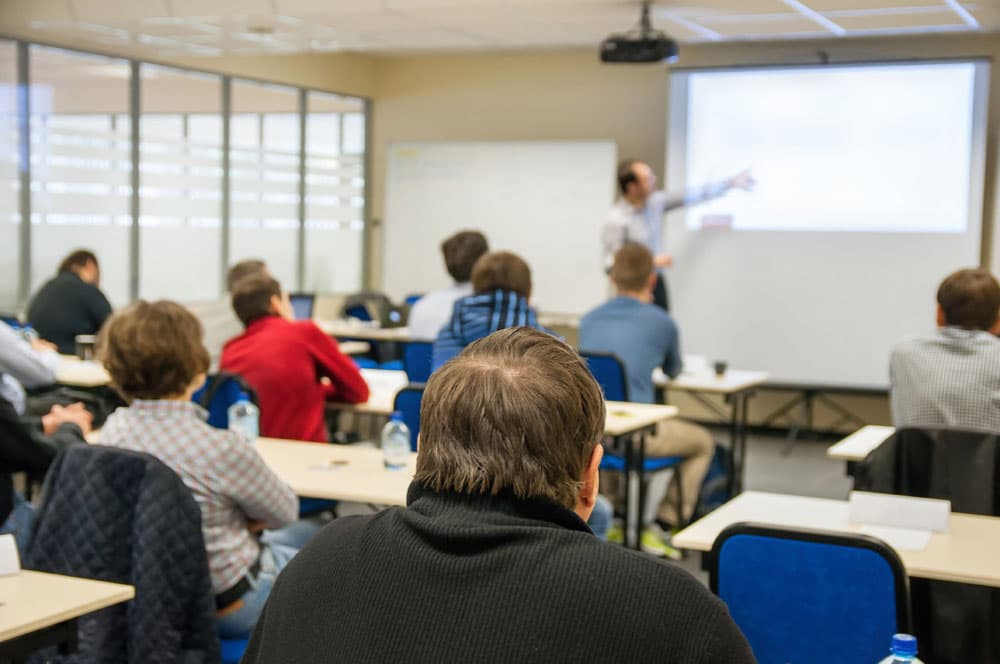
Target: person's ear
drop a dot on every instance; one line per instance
(590, 484)
(941, 320)
(995, 328)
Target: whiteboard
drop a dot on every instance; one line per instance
(543, 200)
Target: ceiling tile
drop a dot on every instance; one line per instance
(759, 25)
(221, 7)
(874, 5)
(117, 11)
(898, 20)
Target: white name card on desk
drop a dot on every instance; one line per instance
(883, 509)
(10, 562)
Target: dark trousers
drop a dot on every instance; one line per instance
(660, 296)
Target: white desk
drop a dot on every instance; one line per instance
(345, 329)
(966, 554)
(383, 385)
(354, 347)
(860, 444)
(736, 387)
(34, 601)
(74, 372)
(337, 472)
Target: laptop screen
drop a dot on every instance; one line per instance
(302, 305)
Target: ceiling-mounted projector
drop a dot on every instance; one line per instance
(641, 44)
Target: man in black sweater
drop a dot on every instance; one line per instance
(70, 303)
(492, 561)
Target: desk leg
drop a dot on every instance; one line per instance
(631, 537)
(640, 473)
(738, 426)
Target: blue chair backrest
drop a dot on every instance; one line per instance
(408, 403)
(417, 360)
(805, 595)
(358, 311)
(412, 298)
(609, 372)
(219, 392)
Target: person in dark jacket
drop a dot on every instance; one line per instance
(501, 285)
(70, 303)
(29, 446)
(491, 560)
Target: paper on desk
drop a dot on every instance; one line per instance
(901, 539)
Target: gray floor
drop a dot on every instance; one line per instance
(803, 471)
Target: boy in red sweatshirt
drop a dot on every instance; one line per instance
(293, 365)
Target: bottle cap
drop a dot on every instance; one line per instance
(397, 416)
(904, 644)
(242, 396)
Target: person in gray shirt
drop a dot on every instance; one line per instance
(24, 364)
(951, 379)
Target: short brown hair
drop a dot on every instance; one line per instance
(970, 299)
(502, 270)
(461, 251)
(632, 267)
(243, 269)
(152, 350)
(252, 297)
(77, 259)
(516, 411)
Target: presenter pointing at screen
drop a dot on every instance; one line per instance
(637, 215)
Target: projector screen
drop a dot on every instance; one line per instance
(868, 192)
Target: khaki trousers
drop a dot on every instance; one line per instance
(676, 437)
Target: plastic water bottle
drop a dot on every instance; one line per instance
(903, 651)
(395, 443)
(244, 417)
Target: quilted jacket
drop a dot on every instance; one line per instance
(123, 516)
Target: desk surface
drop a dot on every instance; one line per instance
(359, 330)
(74, 372)
(337, 472)
(624, 418)
(860, 444)
(354, 347)
(731, 382)
(383, 384)
(30, 601)
(966, 554)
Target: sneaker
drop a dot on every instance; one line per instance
(652, 541)
(615, 534)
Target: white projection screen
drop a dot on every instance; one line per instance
(869, 190)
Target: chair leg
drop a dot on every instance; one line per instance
(680, 497)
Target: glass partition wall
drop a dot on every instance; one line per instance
(170, 175)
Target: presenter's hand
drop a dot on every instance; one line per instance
(742, 180)
(663, 260)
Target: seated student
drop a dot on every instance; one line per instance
(491, 560)
(431, 312)
(217, 317)
(644, 337)
(24, 364)
(293, 365)
(70, 303)
(501, 284)
(154, 355)
(951, 379)
(29, 445)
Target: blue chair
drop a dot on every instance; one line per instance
(392, 365)
(232, 649)
(219, 392)
(609, 372)
(365, 362)
(408, 403)
(417, 356)
(799, 593)
(412, 298)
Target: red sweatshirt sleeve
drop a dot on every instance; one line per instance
(349, 385)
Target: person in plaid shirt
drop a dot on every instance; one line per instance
(154, 354)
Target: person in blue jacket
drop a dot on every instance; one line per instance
(501, 287)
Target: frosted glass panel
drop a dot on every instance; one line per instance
(10, 216)
(180, 164)
(334, 195)
(80, 165)
(264, 178)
